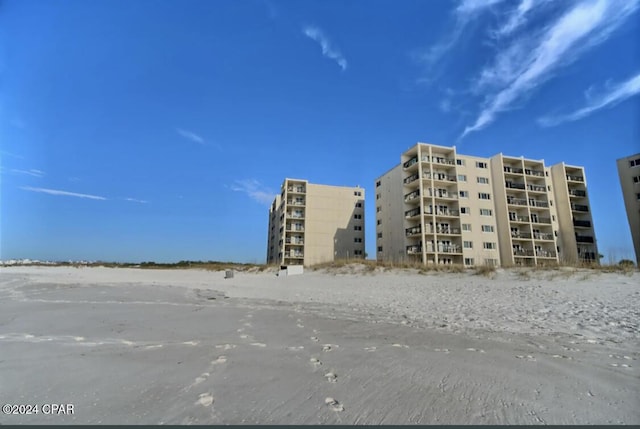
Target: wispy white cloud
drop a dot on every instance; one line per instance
(615, 94)
(533, 58)
(189, 135)
(30, 172)
(135, 200)
(62, 193)
(518, 17)
(317, 35)
(255, 190)
(12, 155)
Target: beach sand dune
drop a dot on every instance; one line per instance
(190, 347)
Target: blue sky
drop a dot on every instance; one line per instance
(160, 130)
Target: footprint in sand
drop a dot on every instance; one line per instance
(295, 348)
(259, 344)
(315, 361)
(562, 357)
(300, 325)
(370, 349)
(226, 346)
(240, 330)
(331, 377)
(221, 359)
(333, 404)
(404, 346)
(205, 400)
(314, 339)
(329, 347)
(471, 349)
(527, 357)
(201, 378)
(441, 350)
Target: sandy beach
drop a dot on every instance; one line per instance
(327, 347)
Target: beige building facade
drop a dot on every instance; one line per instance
(629, 173)
(310, 224)
(441, 207)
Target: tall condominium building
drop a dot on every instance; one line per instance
(310, 224)
(629, 172)
(440, 207)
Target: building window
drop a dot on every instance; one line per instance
(634, 162)
(466, 227)
(357, 193)
(636, 179)
(357, 228)
(378, 196)
(359, 205)
(357, 252)
(462, 178)
(467, 244)
(549, 188)
(483, 180)
(485, 212)
(489, 245)
(379, 235)
(484, 196)
(379, 248)
(464, 194)
(357, 240)
(378, 184)
(460, 162)
(378, 209)
(553, 218)
(357, 216)
(638, 197)
(487, 228)
(480, 164)
(464, 210)
(379, 222)
(491, 262)
(468, 261)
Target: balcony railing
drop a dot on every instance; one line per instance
(443, 193)
(579, 207)
(412, 195)
(542, 236)
(442, 160)
(438, 176)
(519, 218)
(517, 201)
(296, 255)
(582, 223)
(412, 250)
(295, 228)
(295, 215)
(522, 252)
(450, 231)
(522, 235)
(534, 172)
(413, 231)
(512, 185)
(449, 249)
(536, 188)
(545, 253)
(410, 162)
(412, 212)
(411, 178)
(295, 203)
(447, 212)
(538, 204)
(296, 189)
(577, 193)
(575, 178)
(515, 170)
(584, 239)
(546, 220)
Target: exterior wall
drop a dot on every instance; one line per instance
(460, 209)
(311, 224)
(630, 183)
(576, 237)
(390, 232)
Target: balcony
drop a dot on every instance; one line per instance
(577, 193)
(294, 255)
(536, 188)
(295, 215)
(545, 253)
(442, 177)
(411, 162)
(534, 172)
(449, 248)
(442, 160)
(412, 212)
(512, 170)
(447, 212)
(546, 220)
(522, 252)
(520, 235)
(444, 194)
(416, 230)
(513, 185)
(414, 250)
(516, 201)
(411, 196)
(295, 228)
(448, 231)
(518, 218)
(534, 203)
(579, 207)
(575, 178)
(542, 236)
(584, 239)
(296, 189)
(411, 178)
(296, 202)
(582, 223)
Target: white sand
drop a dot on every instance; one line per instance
(188, 346)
